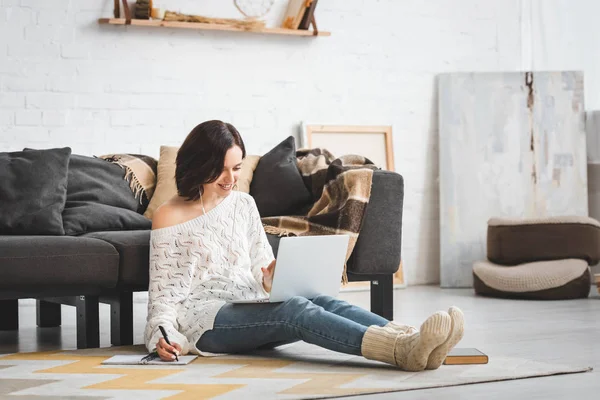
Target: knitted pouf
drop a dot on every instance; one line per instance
(518, 241)
(542, 280)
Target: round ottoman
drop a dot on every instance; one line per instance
(517, 241)
(541, 280)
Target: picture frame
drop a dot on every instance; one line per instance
(371, 141)
(293, 14)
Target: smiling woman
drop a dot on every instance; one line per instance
(207, 167)
(210, 158)
(209, 249)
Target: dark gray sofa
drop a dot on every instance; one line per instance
(109, 266)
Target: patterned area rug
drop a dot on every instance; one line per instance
(297, 371)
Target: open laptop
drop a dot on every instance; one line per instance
(307, 266)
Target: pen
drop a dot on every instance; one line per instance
(149, 357)
(164, 333)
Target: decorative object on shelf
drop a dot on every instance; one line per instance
(254, 8)
(300, 14)
(250, 24)
(157, 13)
(294, 13)
(143, 9)
(126, 10)
(309, 16)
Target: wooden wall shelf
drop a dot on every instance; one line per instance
(210, 27)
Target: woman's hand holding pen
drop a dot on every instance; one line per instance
(166, 351)
(268, 276)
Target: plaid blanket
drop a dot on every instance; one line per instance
(140, 173)
(341, 188)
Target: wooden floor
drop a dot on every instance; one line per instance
(561, 331)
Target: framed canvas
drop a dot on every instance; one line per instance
(293, 14)
(512, 144)
(371, 141)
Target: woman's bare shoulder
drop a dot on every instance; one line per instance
(170, 213)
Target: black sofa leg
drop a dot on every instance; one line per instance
(48, 315)
(10, 315)
(88, 324)
(382, 296)
(121, 319)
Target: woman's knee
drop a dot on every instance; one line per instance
(297, 302)
(209, 342)
(323, 299)
(299, 310)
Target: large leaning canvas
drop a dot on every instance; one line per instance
(511, 144)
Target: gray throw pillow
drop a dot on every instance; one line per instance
(82, 217)
(277, 185)
(99, 198)
(33, 190)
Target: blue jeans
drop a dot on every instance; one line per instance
(324, 321)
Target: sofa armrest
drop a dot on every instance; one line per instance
(378, 249)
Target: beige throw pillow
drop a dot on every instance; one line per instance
(165, 177)
(248, 166)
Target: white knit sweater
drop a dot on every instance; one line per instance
(196, 265)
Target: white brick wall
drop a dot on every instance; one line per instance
(65, 80)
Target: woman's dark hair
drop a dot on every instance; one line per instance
(201, 157)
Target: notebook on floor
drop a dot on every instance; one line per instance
(137, 359)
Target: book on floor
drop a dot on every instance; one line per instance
(139, 359)
(463, 356)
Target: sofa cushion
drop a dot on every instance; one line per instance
(277, 185)
(134, 253)
(33, 189)
(165, 179)
(513, 241)
(99, 199)
(81, 217)
(542, 280)
(249, 165)
(32, 263)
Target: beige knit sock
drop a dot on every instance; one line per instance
(379, 343)
(399, 328)
(409, 351)
(438, 355)
(433, 332)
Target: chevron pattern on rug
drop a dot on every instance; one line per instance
(284, 374)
